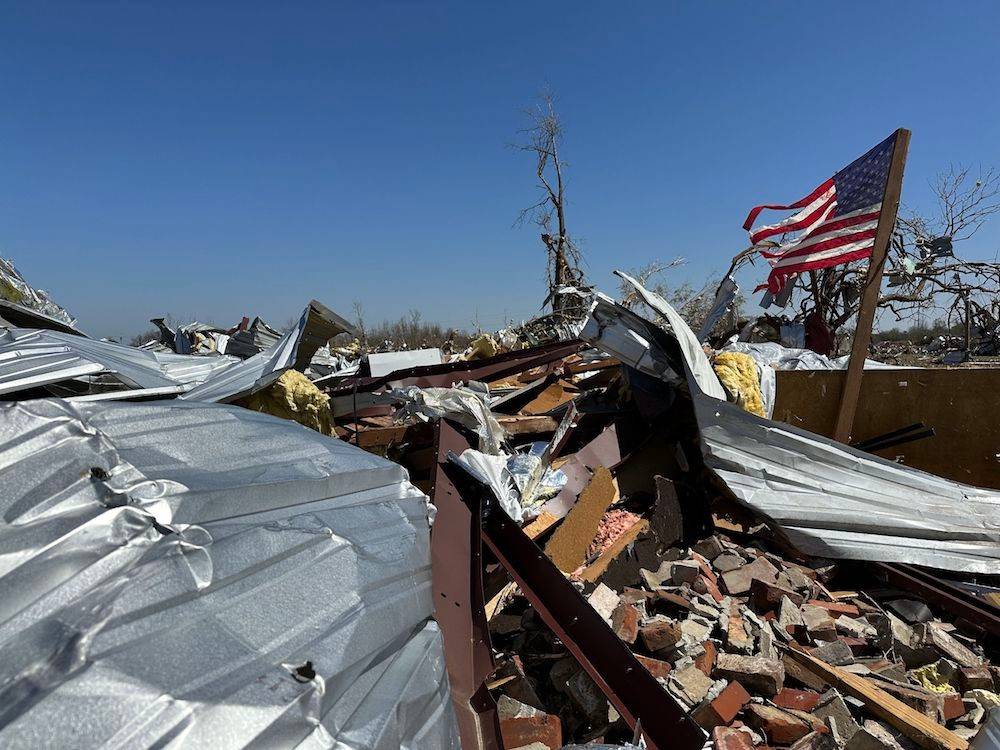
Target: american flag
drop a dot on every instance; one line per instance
(836, 223)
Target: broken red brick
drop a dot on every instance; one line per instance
(660, 634)
(519, 731)
(857, 645)
(655, 667)
(726, 738)
(780, 727)
(625, 622)
(706, 662)
(766, 597)
(836, 609)
(673, 598)
(723, 709)
(975, 678)
(711, 588)
(705, 567)
(952, 706)
(801, 700)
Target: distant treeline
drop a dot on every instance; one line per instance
(919, 332)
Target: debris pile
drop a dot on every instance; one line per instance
(625, 547)
(740, 562)
(759, 649)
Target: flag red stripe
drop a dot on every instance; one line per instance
(777, 278)
(763, 234)
(847, 239)
(824, 228)
(755, 211)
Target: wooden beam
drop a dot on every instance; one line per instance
(873, 285)
(527, 425)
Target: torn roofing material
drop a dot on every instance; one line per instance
(32, 357)
(203, 575)
(23, 305)
(256, 337)
(829, 499)
(317, 325)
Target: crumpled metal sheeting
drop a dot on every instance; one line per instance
(834, 501)
(296, 348)
(629, 338)
(829, 499)
(16, 290)
(694, 355)
(33, 357)
(466, 405)
(160, 584)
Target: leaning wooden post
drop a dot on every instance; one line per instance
(873, 285)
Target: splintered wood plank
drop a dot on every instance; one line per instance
(596, 569)
(568, 546)
(540, 525)
(922, 730)
(531, 425)
(555, 394)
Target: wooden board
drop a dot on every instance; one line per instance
(961, 404)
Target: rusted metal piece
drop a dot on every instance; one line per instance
(630, 688)
(952, 599)
(456, 567)
(446, 375)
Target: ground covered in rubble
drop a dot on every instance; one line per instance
(760, 649)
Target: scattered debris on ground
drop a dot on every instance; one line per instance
(627, 548)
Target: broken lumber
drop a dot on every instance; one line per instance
(926, 733)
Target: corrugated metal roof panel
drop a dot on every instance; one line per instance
(166, 567)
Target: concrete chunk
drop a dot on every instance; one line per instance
(757, 674)
(738, 581)
(603, 600)
(690, 685)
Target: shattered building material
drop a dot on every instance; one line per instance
(293, 396)
(32, 358)
(23, 305)
(634, 693)
(252, 339)
(819, 492)
(317, 325)
(205, 574)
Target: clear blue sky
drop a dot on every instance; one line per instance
(218, 159)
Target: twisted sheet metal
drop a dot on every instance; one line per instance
(176, 574)
(829, 499)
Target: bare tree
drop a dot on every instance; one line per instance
(543, 139)
(359, 320)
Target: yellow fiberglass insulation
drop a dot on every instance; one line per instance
(293, 396)
(738, 373)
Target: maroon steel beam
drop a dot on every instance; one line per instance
(950, 598)
(633, 691)
(447, 374)
(456, 569)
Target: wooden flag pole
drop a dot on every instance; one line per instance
(873, 285)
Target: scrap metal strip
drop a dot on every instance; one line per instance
(634, 692)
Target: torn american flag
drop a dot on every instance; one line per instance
(836, 223)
